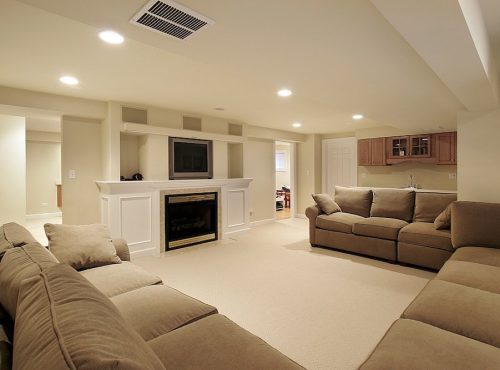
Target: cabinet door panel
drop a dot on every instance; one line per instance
(378, 151)
(446, 148)
(364, 158)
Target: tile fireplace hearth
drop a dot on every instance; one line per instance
(135, 210)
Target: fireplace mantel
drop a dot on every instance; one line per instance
(131, 209)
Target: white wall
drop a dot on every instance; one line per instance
(13, 169)
(43, 171)
(479, 156)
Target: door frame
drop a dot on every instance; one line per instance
(324, 163)
(293, 175)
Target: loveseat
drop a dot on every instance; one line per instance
(116, 316)
(454, 323)
(392, 224)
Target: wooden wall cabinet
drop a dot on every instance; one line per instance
(446, 147)
(371, 152)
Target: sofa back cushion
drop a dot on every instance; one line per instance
(17, 265)
(354, 200)
(429, 205)
(63, 322)
(81, 246)
(475, 224)
(13, 235)
(393, 203)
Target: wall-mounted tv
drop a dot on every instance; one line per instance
(190, 158)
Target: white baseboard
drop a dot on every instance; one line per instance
(37, 216)
(235, 231)
(262, 222)
(301, 215)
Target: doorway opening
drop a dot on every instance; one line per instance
(285, 171)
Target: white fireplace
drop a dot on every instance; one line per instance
(134, 210)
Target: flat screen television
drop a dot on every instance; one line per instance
(190, 158)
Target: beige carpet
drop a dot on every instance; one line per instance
(324, 309)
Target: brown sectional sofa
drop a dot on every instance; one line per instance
(454, 323)
(116, 316)
(392, 224)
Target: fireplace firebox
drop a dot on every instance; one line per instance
(190, 219)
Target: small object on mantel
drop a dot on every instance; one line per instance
(135, 177)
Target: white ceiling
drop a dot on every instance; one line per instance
(339, 57)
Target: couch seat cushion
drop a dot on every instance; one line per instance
(474, 275)
(119, 278)
(63, 322)
(338, 221)
(354, 200)
(470, 312)
(393, 203)
(17, 265)
(216, 342)
(379, 227)
(412, 345)
(424, 233)
(157, 309)
(485, 256)
(429, 205)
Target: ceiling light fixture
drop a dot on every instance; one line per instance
(357, 116)
(111, 37)
(296, 124)
(284, 93)
(219, 108)
(69, 80)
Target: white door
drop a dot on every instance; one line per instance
(340, 163)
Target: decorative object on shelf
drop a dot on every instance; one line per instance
(135, 177)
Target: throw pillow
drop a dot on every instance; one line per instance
(443, 220)
(326, 203)
(81, 246)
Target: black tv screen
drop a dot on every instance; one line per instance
(190, 158)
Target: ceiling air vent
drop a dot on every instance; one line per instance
(170, 18)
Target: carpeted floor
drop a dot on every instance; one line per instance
(324, 309)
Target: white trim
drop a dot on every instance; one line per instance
(37, 216)
(235, 231)
(301, 215)
(262, 222)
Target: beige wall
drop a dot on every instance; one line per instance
(259, 165)
(153, 157)
(129, 155)
(235, 160)
(13, 169)
(283, 177)
(220, 160)
(43, 171)
(81, 151)
(308, 171)
(479, 156)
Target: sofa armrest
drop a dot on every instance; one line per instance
(122, 249)
(311, 213)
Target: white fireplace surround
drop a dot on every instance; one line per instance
(131, 209)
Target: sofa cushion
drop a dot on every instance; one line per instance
(81, 246)
(354, 200)
(470, 312)
(216, 342)
(338, 221)
(393, 203)
(63, 322)
(443, 220)
(471, 274)
(119, 278)
(412, 345)
(485, 256)
(379, 227)
(475, 224)
(424, 233)
(429, 205)
(158, 309)
(14, 235)
(17, 265)
(6, 335)
(326, 203)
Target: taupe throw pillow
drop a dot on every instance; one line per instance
(326, 203)
(443, 220)
(81, 246)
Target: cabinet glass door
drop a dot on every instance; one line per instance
(420, 146)
(400, 147)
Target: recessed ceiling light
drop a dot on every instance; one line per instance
(284, 92)
(111, 37)
(69, 80)
(296, 124)
(219, 108)
(357, 116)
